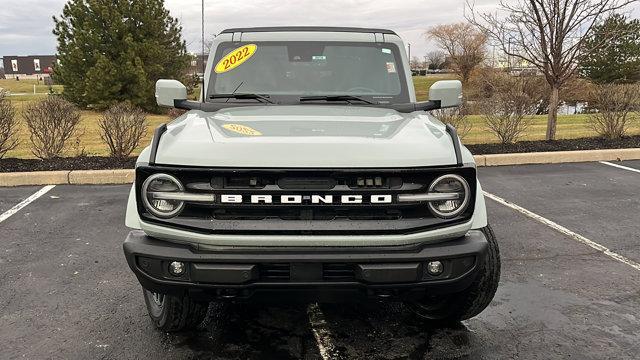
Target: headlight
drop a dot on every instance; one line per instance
(449, 184)
(162, 207)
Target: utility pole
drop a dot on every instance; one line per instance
(409, 44)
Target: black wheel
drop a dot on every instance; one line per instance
(172, 313)
(471, 301)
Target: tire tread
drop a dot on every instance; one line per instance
(482, 291)
(473, 300)
(179, 313)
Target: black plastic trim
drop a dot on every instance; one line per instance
(138, 245)
(160, 130)
(213, 107)
(456, 143)
(308, 28)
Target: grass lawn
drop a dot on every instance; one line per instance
(423, 83)
(569, 126)
(26, 86)
(90, 140)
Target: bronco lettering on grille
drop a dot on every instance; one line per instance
(306, 199)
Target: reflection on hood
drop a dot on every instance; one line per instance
(303, 121)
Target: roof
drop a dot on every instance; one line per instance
(27, 56)
(308, 29)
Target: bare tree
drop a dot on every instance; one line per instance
(415, 63)
(8, 125)
(550, 35)
(52, 123)
(465, 45)
(122, 127)
(435, 59)
(615, 106)
(507, 113)
(457, 117)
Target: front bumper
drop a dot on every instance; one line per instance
(305, 273)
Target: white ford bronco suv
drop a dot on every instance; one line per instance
(308, 171)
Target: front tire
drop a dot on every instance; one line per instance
(174, 313)
(470, 302)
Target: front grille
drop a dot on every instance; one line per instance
(281, 272)
(275, 272)
(338, 272)
(307, 217)
(308, 214)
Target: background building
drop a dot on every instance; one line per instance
(195, 66)
(32, 66)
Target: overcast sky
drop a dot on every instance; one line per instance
(25, 25)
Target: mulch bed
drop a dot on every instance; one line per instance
(101, 163)
(70, 163)
(556, 145)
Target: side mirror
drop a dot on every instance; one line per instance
(447, 92)
(168, 91)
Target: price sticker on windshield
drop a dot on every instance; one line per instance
(235, 58)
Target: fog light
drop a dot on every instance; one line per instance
(176, 268)
(435, 268)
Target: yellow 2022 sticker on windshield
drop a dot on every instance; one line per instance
(235, 58)
(241, 129)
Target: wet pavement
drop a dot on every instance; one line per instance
(67, 293)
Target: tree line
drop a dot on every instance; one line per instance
(111, 53)
(560, 39)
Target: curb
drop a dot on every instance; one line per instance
(126, 176)
(66, 177)
(557, 157)
(34, 178)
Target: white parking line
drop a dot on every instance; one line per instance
(7, 214)
(565, 231)
(321, 332)
(620, 166)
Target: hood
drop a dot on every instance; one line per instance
(306, 136)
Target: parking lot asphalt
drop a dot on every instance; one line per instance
(67, 293)
(9, 197)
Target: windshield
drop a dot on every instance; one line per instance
(288, 71)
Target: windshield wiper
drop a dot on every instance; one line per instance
(347, 98)
(261, 98)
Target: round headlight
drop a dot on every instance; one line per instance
(161, 183)
(447, 209)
